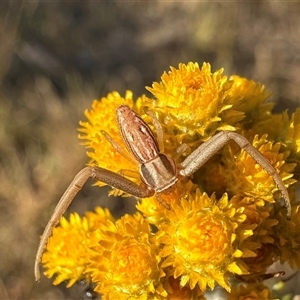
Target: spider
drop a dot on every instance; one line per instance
(158, 171)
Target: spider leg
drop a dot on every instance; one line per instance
(158, 127)
(117, 147)
(206, 150)
(180, 151)
(95, 173)
(162, 201)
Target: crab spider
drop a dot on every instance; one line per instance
(158, 171)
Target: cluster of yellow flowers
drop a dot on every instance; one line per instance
(226, 224)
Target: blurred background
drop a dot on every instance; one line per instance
(56, 57)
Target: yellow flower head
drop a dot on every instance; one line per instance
(200, 241)
(250, 97)
(193, 102)
(125, 262)
(66, 253)
(243, 176)
(155, 212)
(286, 234)
(176, 291)
(234, 171)
(292, 131)
(259, 251)
(286, 130)
(254, 291)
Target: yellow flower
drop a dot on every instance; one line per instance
(286, 130)
(258, 265)
(66, 253)
(244, 176)
(125, 262)
(250, 97)
(292, 131)
(155, 212)
(286, 233)
(254, 291)
(177, 292)
(200, 241)
(234, 171)
(259, 251)
(193, 103)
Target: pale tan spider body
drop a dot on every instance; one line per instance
(158, 171)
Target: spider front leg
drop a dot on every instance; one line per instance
(95, 173)
(205, 151)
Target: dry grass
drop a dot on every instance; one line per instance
(55, 58)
